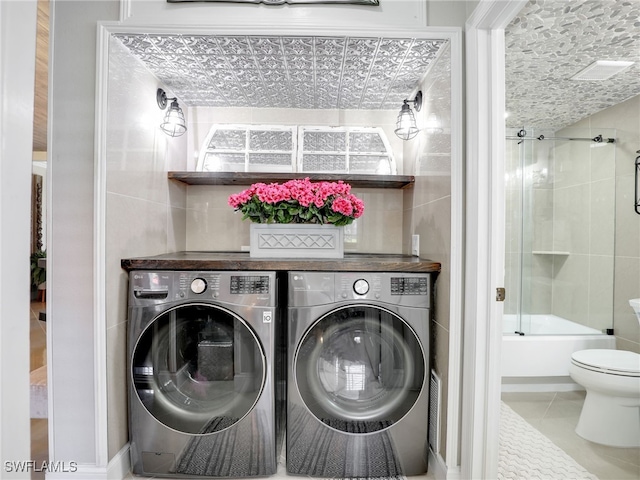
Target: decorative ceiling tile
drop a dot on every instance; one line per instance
(550, 41)
(286, 72)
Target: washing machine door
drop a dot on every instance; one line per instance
(198, 368)
(359, 369)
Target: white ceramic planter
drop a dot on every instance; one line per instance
(296, 240)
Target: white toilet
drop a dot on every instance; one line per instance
(611, 411)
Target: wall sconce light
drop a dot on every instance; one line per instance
(173, 123)
(406, 127)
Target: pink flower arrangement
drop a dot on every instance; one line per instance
(299, 201)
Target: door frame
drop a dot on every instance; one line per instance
(485, 230)
(17, 74)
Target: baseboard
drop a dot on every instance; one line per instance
(539, 384)
(439, 469)
(120, 464)
(116, 469)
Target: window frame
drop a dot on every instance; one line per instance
(247, 151)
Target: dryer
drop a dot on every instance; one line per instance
(358, 399)
(201, 348)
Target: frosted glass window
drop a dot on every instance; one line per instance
(270, 162)
(228, 139)
(325, 141)
(223, 162)
(312, 162)
(379, 164)
(270, 140)
(305, 149)
(366, 142)
(248, 148)
(363, 150)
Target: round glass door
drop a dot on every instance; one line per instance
(359, 369)
(198, 369)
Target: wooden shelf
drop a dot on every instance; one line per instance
(244, 178)
(352, 262)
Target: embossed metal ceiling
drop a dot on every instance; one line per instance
(550, 41)
(286, 72)
(546, 38)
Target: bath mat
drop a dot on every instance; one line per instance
(244, 450)
(356, 426)
(314, 450)
(218, 423)
(527, 454)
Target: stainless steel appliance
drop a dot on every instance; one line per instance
(358, 352)
(202, 377)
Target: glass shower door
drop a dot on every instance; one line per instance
(560, 231)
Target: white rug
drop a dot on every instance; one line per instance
(38, 380)
(526, 454)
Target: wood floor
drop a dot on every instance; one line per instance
(39, 426)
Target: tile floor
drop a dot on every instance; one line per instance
(553, 414)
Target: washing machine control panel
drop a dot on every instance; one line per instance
(361, 286)
(409, 285)
(198, 285)
(218, 286)
(395, 288)
(249, 284)
(358, 285)
(235, 288)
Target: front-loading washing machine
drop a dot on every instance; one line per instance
(201, 366)
(358, 398)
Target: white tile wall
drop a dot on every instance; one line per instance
(146, 213)
(428, 209)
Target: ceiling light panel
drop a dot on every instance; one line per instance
(601, 70)
(286, 72)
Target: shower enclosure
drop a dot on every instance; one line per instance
(560, 231)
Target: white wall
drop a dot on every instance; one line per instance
(405, 13)
(71, 261)
(428, 210)
(17, 27)
(145, 212)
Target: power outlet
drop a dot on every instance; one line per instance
(415, 245)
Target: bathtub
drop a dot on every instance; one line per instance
(539, 361)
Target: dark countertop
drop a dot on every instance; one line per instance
(354, 262)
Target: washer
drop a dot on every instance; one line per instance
(201, 391)
(358, 399)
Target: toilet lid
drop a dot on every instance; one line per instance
(620, 362)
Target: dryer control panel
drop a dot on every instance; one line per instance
(320, 288)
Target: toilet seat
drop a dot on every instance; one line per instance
(612, 362)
